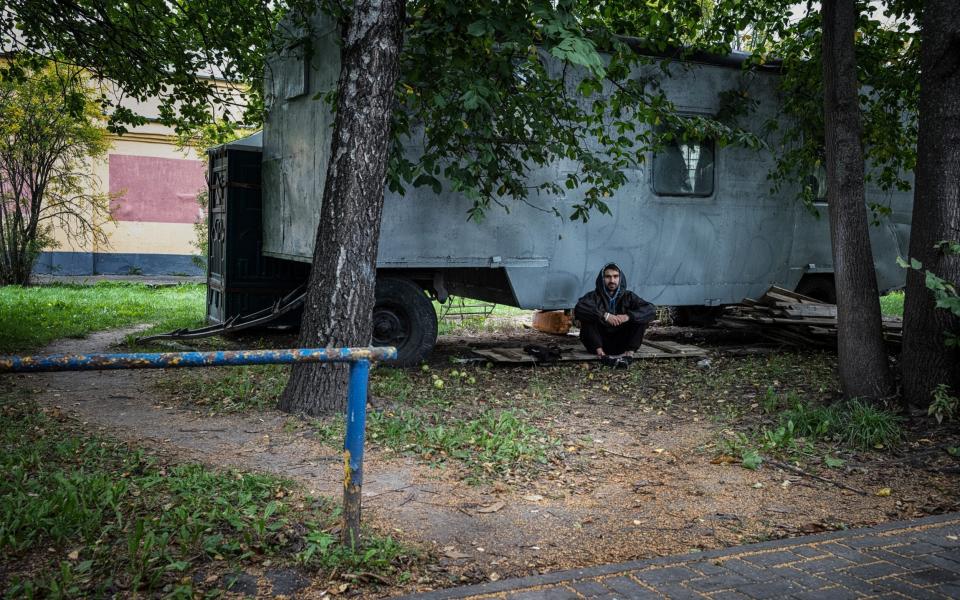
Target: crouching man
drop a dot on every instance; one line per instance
(612, 318)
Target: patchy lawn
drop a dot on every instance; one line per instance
(83, 514)
(186, 482)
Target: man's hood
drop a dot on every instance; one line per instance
(602, 289)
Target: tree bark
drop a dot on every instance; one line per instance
(862, 358)
(927, 362)
(340, 297)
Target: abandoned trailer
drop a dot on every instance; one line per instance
(695, 226)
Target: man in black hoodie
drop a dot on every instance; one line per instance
(612, 318)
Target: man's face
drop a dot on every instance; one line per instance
(611, 279)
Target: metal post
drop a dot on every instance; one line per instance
(353, 450)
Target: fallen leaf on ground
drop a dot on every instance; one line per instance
(491, 508)
(74, 555)
(533, 497)
(724, 459)
(455, 554)
(884, 492)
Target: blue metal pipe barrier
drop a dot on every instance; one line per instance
(172, 360)
(359, 359)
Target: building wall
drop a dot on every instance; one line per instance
(155, 187)
(155, 206)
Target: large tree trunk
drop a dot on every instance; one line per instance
(864, 371)
(936, 207)
(343, 277)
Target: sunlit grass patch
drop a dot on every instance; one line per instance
(464, 315)
(892, 304)
(32, 317)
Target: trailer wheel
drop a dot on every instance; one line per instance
(404, 317)
(818, 287)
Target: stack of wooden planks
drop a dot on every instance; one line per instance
(792, 318)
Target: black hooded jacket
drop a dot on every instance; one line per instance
(592, 305)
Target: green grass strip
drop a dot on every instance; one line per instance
(31, 317)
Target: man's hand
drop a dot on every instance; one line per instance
(616, 320)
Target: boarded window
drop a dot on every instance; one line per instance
(684, 168)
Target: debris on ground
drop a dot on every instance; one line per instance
(795, 319)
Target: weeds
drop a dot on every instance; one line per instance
(89, 516)
(864, 426)
(394, 384)
(944, 406)
(800, 424)
(492, 443)
(230, 389)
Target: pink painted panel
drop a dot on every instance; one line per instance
(156, 190)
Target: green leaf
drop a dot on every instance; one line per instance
(478, 28)
(751, 459)
(833, 462)
(579, 51)
(270, 509)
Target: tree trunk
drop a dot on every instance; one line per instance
(862, 358)
(340, 298)
(927, 362)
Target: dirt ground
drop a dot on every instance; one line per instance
(648, 484)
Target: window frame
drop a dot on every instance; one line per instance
(709, 143)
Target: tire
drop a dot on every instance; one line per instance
(818, 287)
(403, 317)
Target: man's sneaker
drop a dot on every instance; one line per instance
(615, 362)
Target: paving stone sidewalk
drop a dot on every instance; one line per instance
(906, 559)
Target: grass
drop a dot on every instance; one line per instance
(800, 424)
(892, 304)
(84, 516)
(474, 323)
(491, 443)
(31, 317)
(230, 389)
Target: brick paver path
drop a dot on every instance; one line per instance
(909, 559)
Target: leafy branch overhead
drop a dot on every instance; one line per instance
(497, 90)
(514, 99)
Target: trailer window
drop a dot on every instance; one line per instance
(816, 184)
(684, 169)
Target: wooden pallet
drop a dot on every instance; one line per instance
(569, 353)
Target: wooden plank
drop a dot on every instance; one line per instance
(659, 349)
(811, 310)
(674, 348)
(791, 294)
(805, 321)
